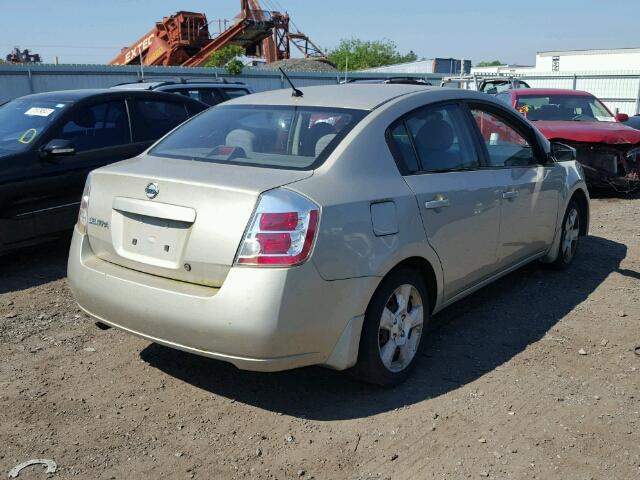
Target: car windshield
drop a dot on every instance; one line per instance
(581, 108)
(24, 120)
(267, 136)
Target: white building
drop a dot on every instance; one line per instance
(619, 59)
(445, 66)
(574, 61)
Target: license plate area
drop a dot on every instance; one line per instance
(151, 240)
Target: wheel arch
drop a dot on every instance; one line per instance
(426, 270)
(581, 198)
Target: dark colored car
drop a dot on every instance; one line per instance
(608, 149)
(206, 91)
(49, 142)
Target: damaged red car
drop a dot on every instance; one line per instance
(608, 150)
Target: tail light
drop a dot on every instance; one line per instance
(83, 214)
(281, 232)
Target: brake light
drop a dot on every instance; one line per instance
(282, 230)
(279, 221)
(83, 213)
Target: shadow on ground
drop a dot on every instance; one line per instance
(468, 340)
(33, 266)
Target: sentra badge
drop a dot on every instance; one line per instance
(98, 223)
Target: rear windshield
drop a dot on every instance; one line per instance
(296, 138)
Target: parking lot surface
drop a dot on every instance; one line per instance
(534, 376)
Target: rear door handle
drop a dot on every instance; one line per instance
(438, 203)
(509, 194)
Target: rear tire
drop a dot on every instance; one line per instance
(569, 237)
(394, 326)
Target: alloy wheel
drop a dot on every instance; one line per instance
(571, 233)
(400, 328)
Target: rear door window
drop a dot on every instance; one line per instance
(154, 118)
(402, 148)
(96, 126)
(437, 138)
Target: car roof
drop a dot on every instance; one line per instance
(68, 95)
(549, 91)
(74, 96)
(152, 85)
(357, 96)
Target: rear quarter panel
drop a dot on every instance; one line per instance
(359, 173)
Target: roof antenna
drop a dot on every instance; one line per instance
(296, 92)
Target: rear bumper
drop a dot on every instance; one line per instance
(263, 319)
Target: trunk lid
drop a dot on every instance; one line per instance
(191, 229)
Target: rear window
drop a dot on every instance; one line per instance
(154, 118)
(210, 96)
(235, 92)
(296, 138)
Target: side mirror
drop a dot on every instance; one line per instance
(59, 148)
(562, 152)
(622, 117)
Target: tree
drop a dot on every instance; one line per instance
(229, 58)
(495, 63)
(362, 54)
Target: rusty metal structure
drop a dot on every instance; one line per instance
(184, 39)
(171, 42)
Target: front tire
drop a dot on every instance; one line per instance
(569, 236)
(393, 329)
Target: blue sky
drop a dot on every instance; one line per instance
(90, 31)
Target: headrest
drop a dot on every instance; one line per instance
(435, 135)
(322, 143)
(241, 138)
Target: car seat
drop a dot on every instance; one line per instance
(433, 142)
(313, 136)
(243, 139)
(323, 142)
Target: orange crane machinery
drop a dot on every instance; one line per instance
(173, 41)
(248, 30)
(184, 39)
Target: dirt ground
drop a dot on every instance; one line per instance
(533, 377)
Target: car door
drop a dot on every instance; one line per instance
(100, 133)
(16, 219)
(529, 182)
(459, 201)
